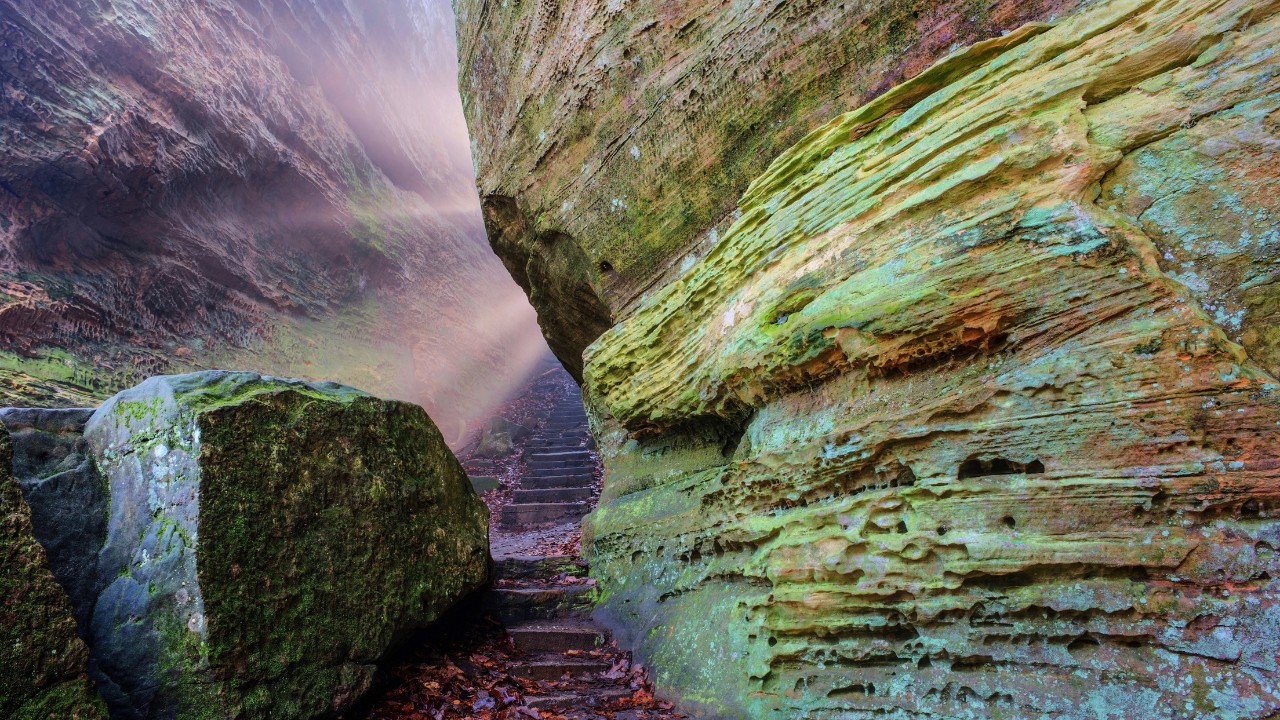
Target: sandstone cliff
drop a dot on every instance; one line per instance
(614, 139)
(280, 186)
(969, 406)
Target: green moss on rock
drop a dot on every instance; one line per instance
(289, 534)
(995, 398)
(42, 661)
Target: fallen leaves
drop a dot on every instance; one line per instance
(463, 669)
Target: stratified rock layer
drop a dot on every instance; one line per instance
(972, 409)
(614, 139)
(277, 186)
(42, 662)
(268, 541)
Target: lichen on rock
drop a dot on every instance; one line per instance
(614, 139)
(268, 541)
(42, 661)
(972, 412)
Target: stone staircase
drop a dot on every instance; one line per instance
(545, 602)
(556, 486)
(549, 622)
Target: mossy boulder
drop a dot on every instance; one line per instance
(268, 541)
(42, 662)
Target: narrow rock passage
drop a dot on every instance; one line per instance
(529, 648)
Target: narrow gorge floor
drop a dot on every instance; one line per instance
(527, 647)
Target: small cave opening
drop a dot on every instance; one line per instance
(976, 467)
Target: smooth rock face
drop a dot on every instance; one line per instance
(42, 662)
(972, 410)
(268, 541)
(614, 139)
(278, 186)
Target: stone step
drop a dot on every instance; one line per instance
(553, 446)
(553, 495)
(574, 453)
(557, 467)
(547, 602)
(538, 567)
(556, 636)
(576, 701)
(581, 471)
(556, 669)
(579, 454)
(566, 439)
(540, 481)
(514, 515)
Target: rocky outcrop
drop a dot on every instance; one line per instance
(614, 139)
(267, 542)
(279, 186)
(971, 410)
(42, 662)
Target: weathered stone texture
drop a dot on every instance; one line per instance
(971, 410)
(614, 139)
(279, 186)
(42, 661)
(268, 541)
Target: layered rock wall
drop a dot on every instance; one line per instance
(614, 139)
(971, 409)
(279, 186)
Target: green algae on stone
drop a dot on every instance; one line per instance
(269, 541)
(42, 661)
(613, 141)
(971, 410)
